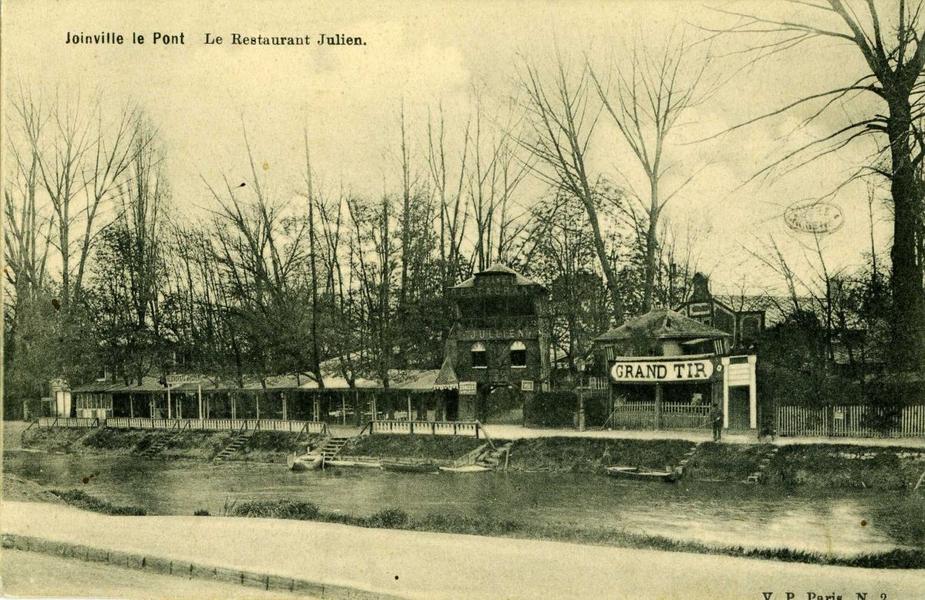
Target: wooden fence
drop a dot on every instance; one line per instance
(463, 428)
(850, 421)
(218, 424)
(70, 422)
(673, 415)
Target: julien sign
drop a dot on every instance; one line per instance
(661, 371)
(814, 217)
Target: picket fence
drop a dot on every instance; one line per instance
(848, 421)
(673, 415)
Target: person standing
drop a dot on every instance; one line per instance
(716, 417)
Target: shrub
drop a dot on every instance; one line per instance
(277, 509)
(85, 501)
(390, 518)
(201, 513)
(551, 409)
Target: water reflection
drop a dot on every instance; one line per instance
(728, 514)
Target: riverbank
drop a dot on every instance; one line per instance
(260, 446)
(395, 518)
(812, 465)
(422, 447)
(821, 465)
(439, 565)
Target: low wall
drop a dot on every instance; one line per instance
(164, 566)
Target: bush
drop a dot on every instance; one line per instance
(277, 509)
(480, 525)
(551, 409)
(596, 412)
(390, 518)
(85, 501)
(201, 513)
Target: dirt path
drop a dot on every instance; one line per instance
(433, 565)
(515, 432)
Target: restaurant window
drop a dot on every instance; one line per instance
(518, 354)
(479, 356)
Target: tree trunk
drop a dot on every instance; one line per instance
(908, 323)
(651, 246)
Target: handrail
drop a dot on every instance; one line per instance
(478, 425)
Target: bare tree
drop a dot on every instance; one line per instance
(27, 226)
(313, 266)
(453, 211)
(892, 51)
(81, 156)
(563, 122)
(646, 100)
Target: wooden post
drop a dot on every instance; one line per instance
(658, 406)
(131, 406)
(285, 408)
(200, 402)
(234, 405)
(343, 409)
(581, 410)
(409, 406)
(169, 409)
(257, 398)
(316, 407)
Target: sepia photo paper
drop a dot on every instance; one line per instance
(618, 299)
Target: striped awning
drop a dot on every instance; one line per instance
(446, 378)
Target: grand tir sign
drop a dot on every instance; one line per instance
(668, 370)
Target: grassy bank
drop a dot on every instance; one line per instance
(17, 489)
(85, 501)
(847, 467)
(441, 447)
(53, 439)
(262, 446)
(592, 455)
(725, 462)
(393, 518)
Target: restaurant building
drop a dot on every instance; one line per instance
(497, 351)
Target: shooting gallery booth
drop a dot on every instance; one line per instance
(666, 370)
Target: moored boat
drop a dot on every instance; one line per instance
(466, 469)
(306, 462)
(642, 474)
(409, 467)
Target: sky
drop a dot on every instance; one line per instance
(424, 55)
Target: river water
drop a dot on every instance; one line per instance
(715, 513)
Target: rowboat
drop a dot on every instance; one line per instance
(306, 462)
(466, 469)
(642, 474)
(351, 463)
(401, 467)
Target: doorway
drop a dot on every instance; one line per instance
(738, 407)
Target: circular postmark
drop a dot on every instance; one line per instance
(814, 216)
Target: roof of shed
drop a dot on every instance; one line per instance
(662, 324)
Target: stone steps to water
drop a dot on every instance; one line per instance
(492, 457)
(233, 447)
(158, 445)
(332, 447)
(758, 475)
(682, 464)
